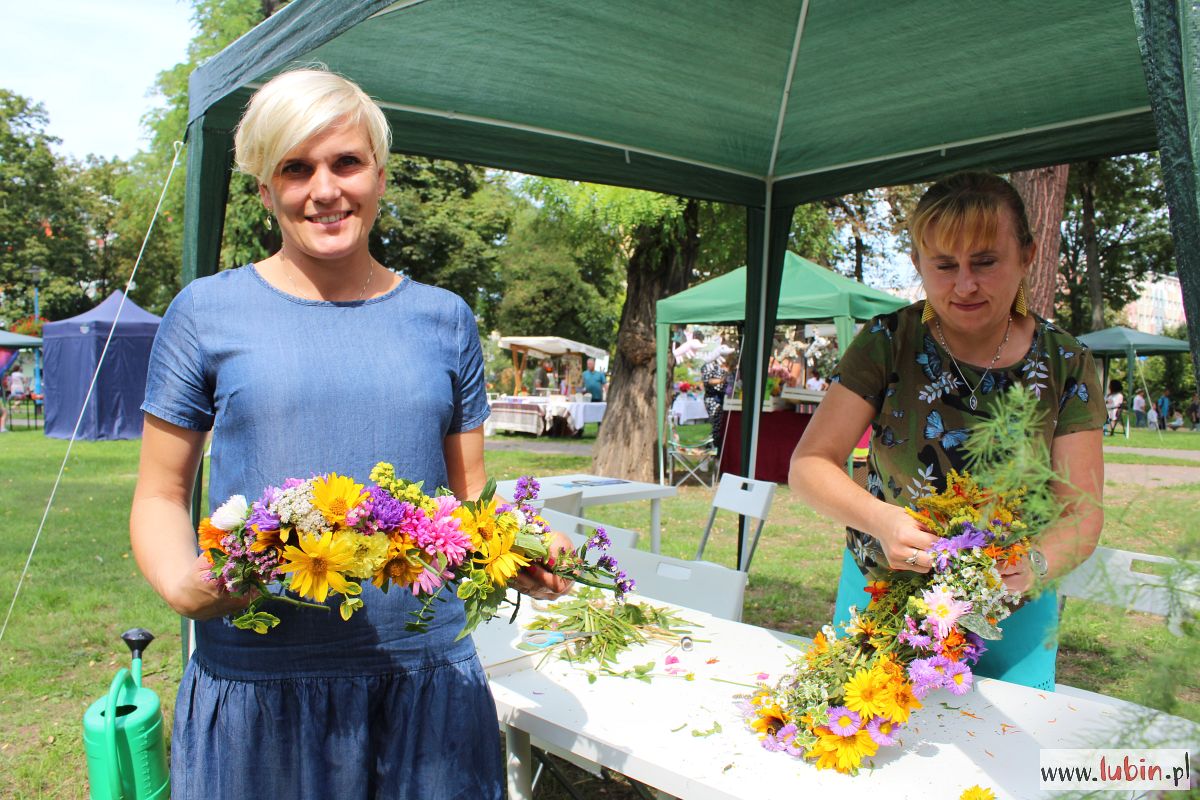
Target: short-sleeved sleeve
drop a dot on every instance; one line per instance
(470, 400)
(177, 388)
(1081, 406)
(867, 362)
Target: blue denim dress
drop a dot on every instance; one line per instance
(321, 707)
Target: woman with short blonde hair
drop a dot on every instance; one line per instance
(317, 359)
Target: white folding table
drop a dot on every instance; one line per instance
(598, 490)
(665, 734)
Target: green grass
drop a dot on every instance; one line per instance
(1157, 440)
(1157, 461)
(62, 645)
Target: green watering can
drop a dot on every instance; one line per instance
(123, 735)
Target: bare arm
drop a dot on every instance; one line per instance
(160, 524)
(467, 475)
(1079, 459)
(818, 475)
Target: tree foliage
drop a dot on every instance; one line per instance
(1128, 228)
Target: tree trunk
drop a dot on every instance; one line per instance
(662, 261)
(1044, 191)
(1087, 193)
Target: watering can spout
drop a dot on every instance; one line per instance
(137, 640)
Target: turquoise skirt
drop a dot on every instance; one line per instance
(1025, 655)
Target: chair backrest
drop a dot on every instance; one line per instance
(566, 503)
(744, 496)
(701, 585)
(579, 530)
(1108, 577)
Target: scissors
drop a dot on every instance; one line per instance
(544, 639)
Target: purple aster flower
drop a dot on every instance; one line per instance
(292, 483)
(913, 637)
(386, 511)
(787, 736)
(974, 648)
(843, 721)
(941, 552)
(970, 537)
(882, 731)
(260, 512)
(925, 678)
(958, 678)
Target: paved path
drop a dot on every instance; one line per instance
(1162, 452)
(1151, 475)
(558, 447)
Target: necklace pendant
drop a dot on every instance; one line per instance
(972, 402)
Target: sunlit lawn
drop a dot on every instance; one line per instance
(61, 647)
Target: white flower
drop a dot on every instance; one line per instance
(232, 514)
(516, 512)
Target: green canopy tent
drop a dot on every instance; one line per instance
(766, 104)
(1127, 342)
(808, 292)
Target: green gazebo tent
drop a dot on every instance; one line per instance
(767, 104)
(1127, 342)
(808, 292)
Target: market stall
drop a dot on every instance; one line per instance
(808, 292)
(562, 408)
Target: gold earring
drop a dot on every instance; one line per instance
(269, 225)
(927, 313)
(1021, 304)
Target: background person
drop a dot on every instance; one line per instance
(922, 377)
(815, 382)
(715, 376)
(373, 367)
(543, 378)
(1164, 407)
(1114, 402)
(1139, 408)
(593, 381)
(1193, 414)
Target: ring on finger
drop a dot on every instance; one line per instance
(912, 560)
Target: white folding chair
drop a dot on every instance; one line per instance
(701, 585)
(700, 461)
(1108, 577)
(568, 503)
(747, 498)
(579, 530)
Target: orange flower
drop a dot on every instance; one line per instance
(953, 644)
(210, 538)
(877, 589)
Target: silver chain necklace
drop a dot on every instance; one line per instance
(972, 401)
(361, 295)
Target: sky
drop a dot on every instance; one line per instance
(92, 65)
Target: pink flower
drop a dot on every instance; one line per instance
(944, 610)
(671, 660)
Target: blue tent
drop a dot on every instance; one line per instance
(71, 349)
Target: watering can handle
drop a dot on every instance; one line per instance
(122, 677)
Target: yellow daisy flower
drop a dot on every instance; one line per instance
(977, 793)
(847, 751)
(866, 693)
(317, 566)
(400, 567)
(481, 526)
(495, 555)
(769, 720)
(334, 495)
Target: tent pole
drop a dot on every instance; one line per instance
(754, 409)
(1167, 35)
(662, 338)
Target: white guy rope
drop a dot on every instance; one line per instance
(91, 386)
